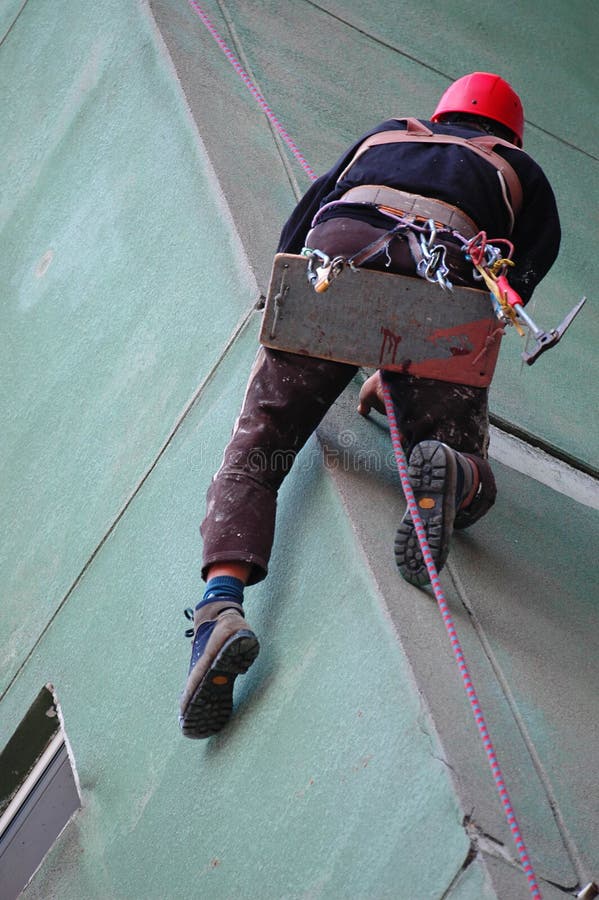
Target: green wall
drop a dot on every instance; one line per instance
(142, 193)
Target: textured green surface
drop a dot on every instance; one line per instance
(520, 587)
(124, 278)
(331, 70)
(111, 232)
(327, 782)
(540, 629)
(124, 291)
(9, 13)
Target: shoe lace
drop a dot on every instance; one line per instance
(188, 613)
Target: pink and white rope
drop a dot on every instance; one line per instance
(402, 466)
(479, 718)
(252, 89)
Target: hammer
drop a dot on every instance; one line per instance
(544, 340)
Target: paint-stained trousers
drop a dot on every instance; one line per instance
(286, 398)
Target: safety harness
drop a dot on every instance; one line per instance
(483, 146)
(415, 214)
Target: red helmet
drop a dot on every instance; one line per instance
(486, 95)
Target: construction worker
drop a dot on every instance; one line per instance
(431, 171)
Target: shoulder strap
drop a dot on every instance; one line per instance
(483, 146)
(487, 144)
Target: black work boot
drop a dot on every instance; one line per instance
(441, 479)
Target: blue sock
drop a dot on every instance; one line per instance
(222, 587)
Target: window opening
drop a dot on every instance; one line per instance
(39, 792)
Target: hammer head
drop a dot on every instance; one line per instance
(548, 339)
(545, 341)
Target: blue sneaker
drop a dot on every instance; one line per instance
(223, 648)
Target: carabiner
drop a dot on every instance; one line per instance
(320, 276)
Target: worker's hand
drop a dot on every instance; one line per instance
(371, 395)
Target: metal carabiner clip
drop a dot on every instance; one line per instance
(320, 276)
(313, 272)
(432, 266)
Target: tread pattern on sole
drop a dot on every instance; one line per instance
(212, 703)
(432, 478)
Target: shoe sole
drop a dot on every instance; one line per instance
(433, 473)
(211, 705)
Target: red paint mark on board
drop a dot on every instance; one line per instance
(389, 344)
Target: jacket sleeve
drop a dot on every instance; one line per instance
(536, 236)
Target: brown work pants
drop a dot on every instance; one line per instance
(286, 398)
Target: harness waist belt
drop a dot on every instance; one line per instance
(405, 203)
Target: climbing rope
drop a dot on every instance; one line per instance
(481, 724)
(252, 89)
(483, 266)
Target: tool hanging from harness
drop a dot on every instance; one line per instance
(509, 306)
(414, 215)
(418, 218)
(490, 266)
(428, 255)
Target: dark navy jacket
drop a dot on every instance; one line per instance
(455, 175)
